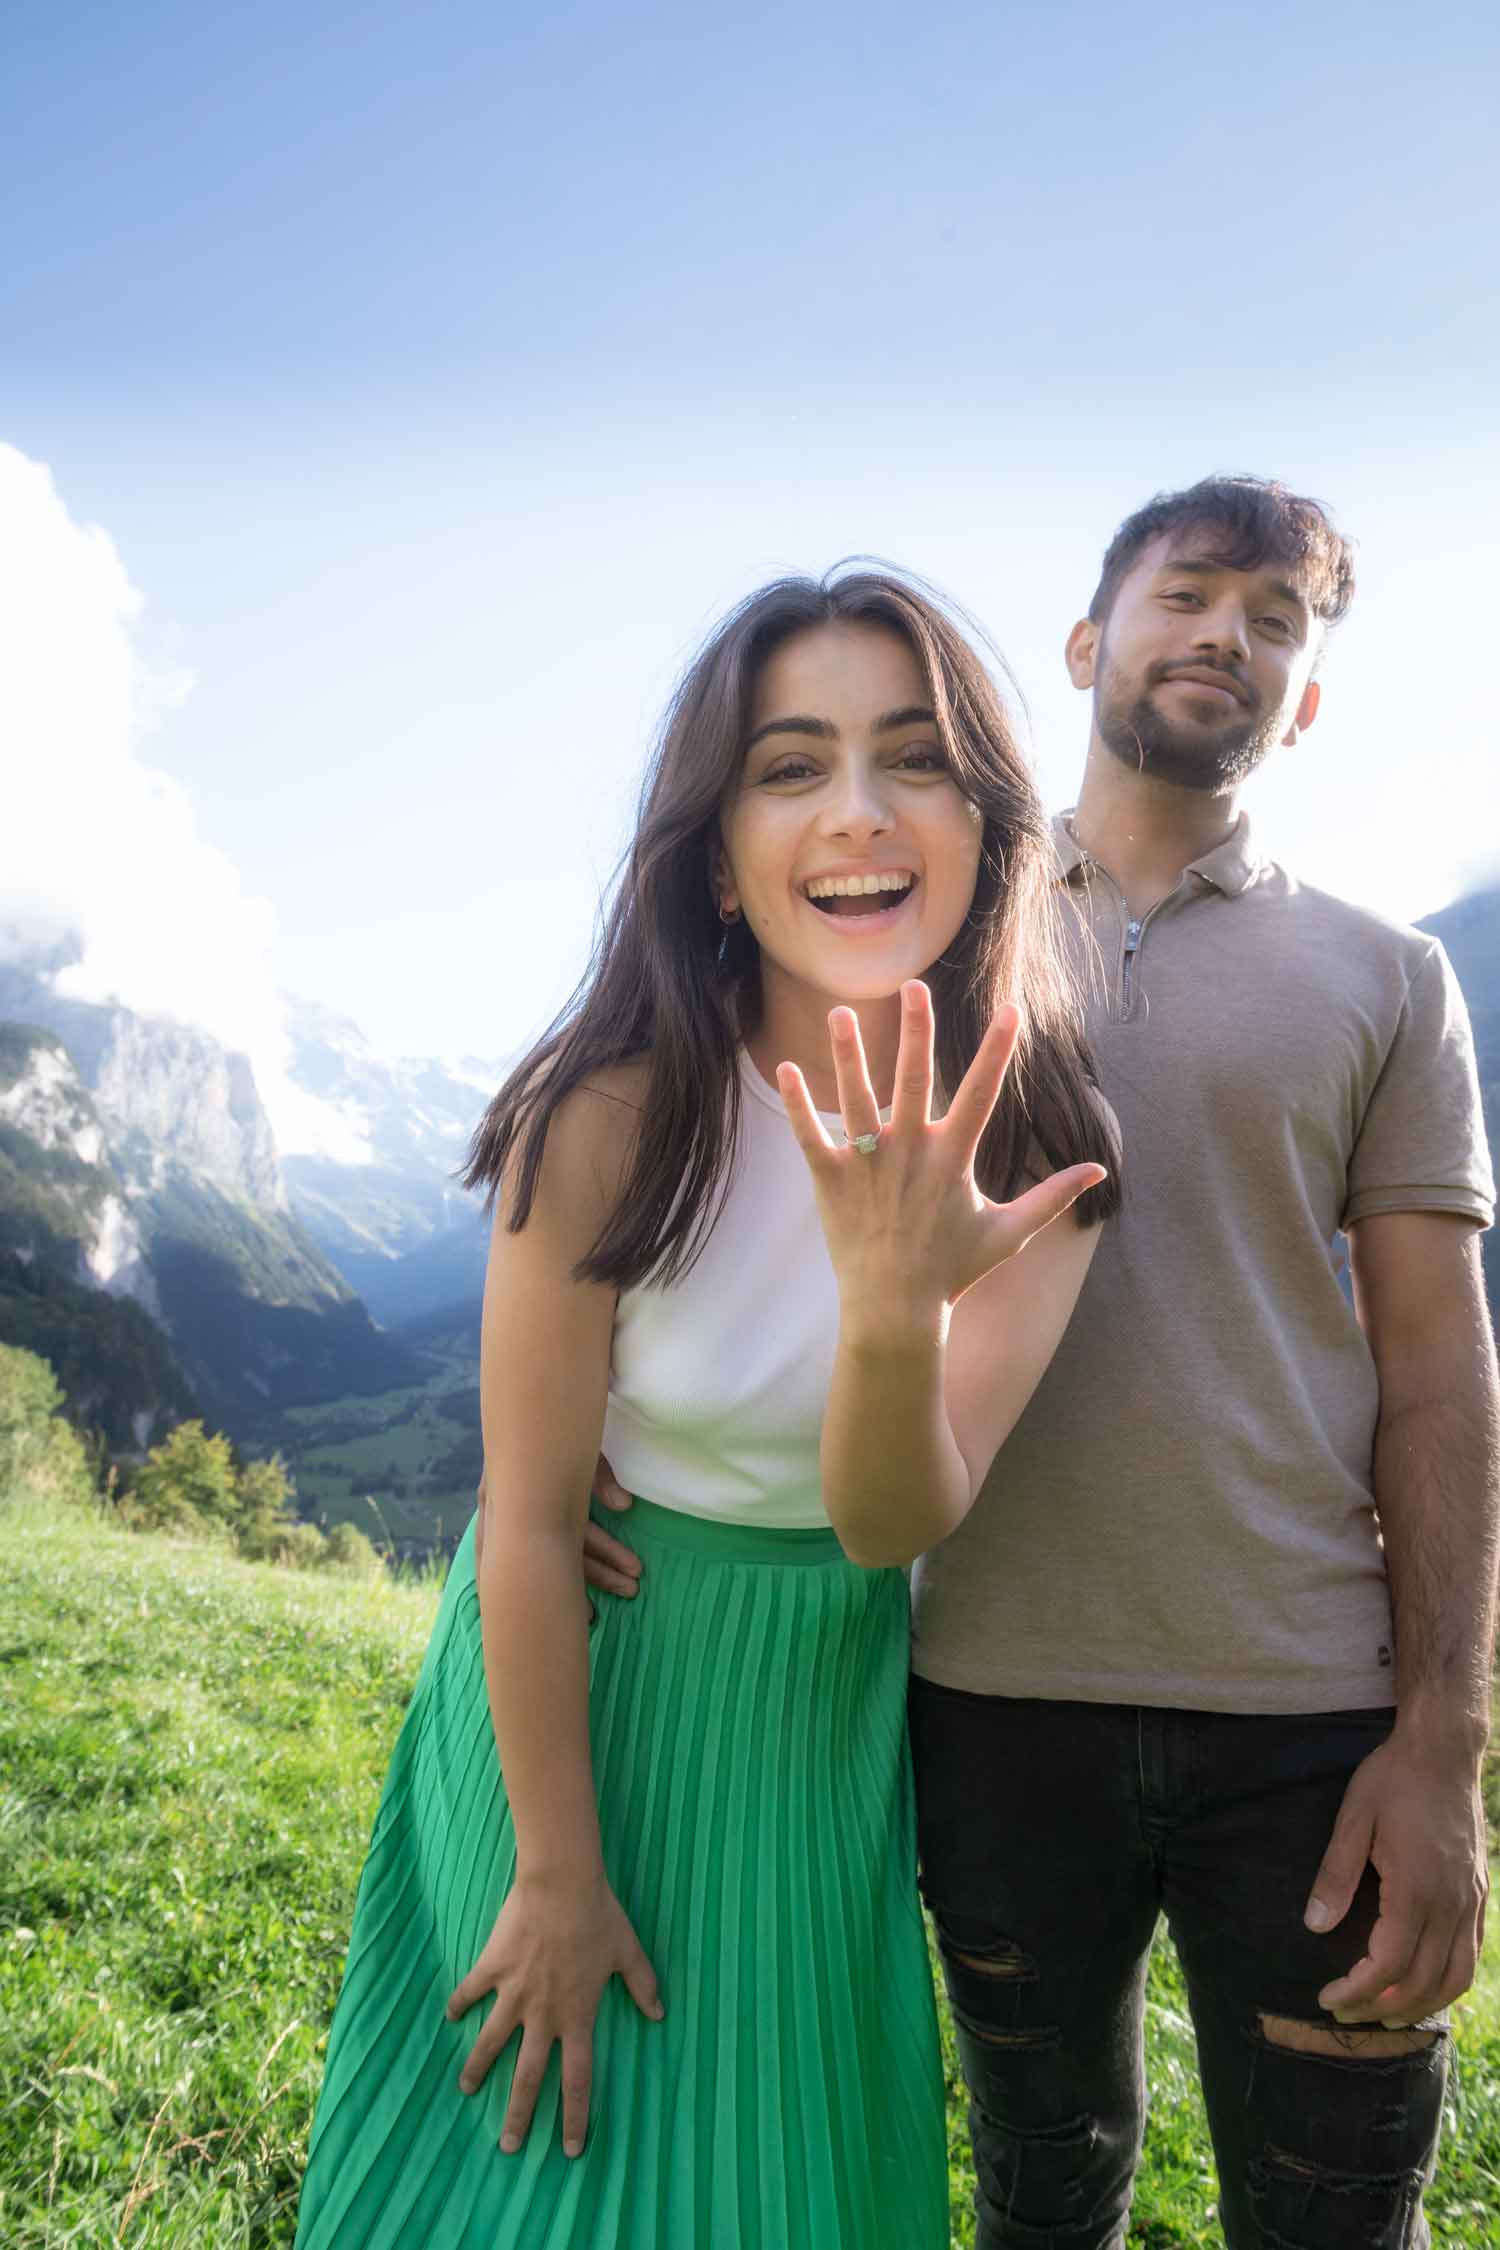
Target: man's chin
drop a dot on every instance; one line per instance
(1187, 755)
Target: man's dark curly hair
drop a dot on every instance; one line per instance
(1253, 522)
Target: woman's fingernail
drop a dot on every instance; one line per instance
(573, 2148)
(509, 2143)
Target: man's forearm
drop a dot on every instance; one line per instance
(1437, 1491)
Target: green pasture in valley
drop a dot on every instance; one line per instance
(190, 1752)
(401, 1465)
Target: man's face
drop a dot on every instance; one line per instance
(1199, 669)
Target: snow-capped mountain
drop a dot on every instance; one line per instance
(371, 1155)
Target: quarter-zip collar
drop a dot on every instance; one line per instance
(1231, 867)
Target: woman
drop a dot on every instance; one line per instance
(687, 1919)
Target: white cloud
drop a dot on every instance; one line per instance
(94, 839)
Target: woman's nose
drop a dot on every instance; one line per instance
(859, 804)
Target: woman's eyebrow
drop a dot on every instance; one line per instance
(909, 715)
(797, 723)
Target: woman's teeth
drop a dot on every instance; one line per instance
(856, 886)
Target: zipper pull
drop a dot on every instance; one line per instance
(1127, 963)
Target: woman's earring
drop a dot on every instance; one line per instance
(728, 921)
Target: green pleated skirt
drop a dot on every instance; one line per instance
(748, 1728)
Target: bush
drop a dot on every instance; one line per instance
(39, 1452)
(263, 1509)
(346, 1547)
(302, 1546)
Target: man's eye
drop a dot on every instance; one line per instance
(1281, 625)
(1181, 594)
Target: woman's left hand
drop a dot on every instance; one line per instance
(907, 1225)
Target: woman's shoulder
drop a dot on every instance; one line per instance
(591, 1137)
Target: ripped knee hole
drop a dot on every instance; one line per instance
(1010, 1962)
(1344, 2040)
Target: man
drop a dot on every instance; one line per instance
(1215, 1641)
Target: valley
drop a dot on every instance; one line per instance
(402, 1466)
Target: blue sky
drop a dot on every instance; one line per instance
(439, 373)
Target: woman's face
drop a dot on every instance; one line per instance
(847, 845)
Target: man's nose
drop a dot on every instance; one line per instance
(1222, 631)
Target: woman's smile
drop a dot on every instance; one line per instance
(859, 900)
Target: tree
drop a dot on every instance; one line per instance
(39, 1452)
(187, 1483)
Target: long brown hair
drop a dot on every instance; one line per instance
(671, 989)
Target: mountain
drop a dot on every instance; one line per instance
(75, 1281)
(1470, 933)
(259, 1320)
(379, 1195)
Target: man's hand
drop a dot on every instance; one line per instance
(608, 1564)
(1414, 1813)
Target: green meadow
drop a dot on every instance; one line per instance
(191, 1748)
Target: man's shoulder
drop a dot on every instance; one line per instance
(1317, 914)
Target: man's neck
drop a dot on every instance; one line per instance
(1143, 830)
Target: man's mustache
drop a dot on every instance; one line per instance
(1214, 673)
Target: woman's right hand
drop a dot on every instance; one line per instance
(552, 1951)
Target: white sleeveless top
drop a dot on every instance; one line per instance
(718, 1381)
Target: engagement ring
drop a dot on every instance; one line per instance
(866, 1143)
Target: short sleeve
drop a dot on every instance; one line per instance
(1421, 1143)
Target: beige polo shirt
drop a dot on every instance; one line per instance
(1183, 1515)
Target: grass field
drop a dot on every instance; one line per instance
(190, 1753)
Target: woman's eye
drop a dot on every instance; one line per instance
(792, 769)
(926, 756)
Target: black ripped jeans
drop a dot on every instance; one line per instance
(1052, 1835)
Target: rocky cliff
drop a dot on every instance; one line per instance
(75, 1281)
(191, 1202)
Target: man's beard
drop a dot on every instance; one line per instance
(1142, 737)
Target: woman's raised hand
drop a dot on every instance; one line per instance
(908, 1227)
(552, 1950)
